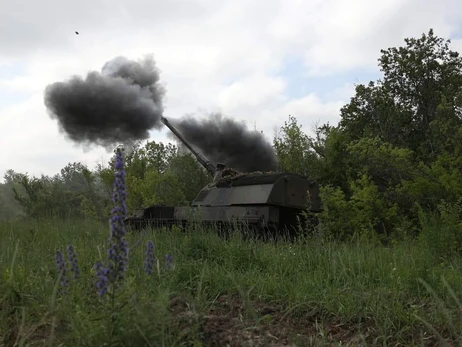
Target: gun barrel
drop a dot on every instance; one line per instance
(204, 162)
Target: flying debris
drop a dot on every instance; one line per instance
(77, 33)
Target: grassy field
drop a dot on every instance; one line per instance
(237, 292)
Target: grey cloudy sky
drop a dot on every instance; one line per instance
(254, 60)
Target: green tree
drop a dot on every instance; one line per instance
(418, 98)
(190, 176)
(294, 150)
(398, 144)
(9, 206)
(157, 174)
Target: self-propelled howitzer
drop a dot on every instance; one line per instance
(269, 202)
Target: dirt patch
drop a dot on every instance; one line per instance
(232, 322)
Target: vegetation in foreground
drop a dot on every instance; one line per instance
(213, 290)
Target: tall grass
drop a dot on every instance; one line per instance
(378, 292)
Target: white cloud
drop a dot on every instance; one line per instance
(214, 56)
(336, 35)
(252, 92)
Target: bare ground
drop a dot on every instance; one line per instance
(233, 322)
(230, 322)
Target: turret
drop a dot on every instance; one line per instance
(213, 170)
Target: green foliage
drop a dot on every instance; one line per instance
(63, 195)
(336, 219)
(156, 174)
(442, 230)
(335, 163)
(398, 143)
(88, 209)
(10, 209)
(364, 214)
(370, 292)
(293, 150)
(419, 93)
(160, 174)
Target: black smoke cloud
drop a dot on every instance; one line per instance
(120, 104)
(123, 102)
(224, 140)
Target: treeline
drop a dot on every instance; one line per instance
(155, 174)
(392, 168)
(389, 168)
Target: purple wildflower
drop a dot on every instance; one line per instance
(150, 259)
(72, 256)
(169, 261)
(62, 270)
(117, 252)
(118, 246)
(101, 273)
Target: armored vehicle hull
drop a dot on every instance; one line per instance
(266, 203)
